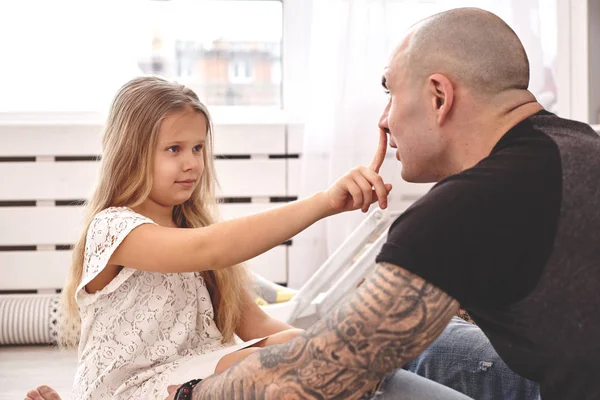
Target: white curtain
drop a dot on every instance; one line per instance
(350, 45)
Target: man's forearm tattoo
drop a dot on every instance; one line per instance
(385, 323)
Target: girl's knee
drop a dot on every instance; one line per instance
(280, 337)
(292, 333)
(229, 359)
(285, 336)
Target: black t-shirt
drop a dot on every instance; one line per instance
(516, 240)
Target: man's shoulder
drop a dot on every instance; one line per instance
(552, 124)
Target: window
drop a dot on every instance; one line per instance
(72, 56)
(276, 71)
(240, 71)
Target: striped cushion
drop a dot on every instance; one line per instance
(28, 319)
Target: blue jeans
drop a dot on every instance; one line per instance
(463, 359)
(404, 385)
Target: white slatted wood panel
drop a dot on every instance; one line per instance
(50, 140)
(256, 140)
(294, 176)
(78, 140)
(75, 180)
(31, 226)
(40, 225)
(25, 270)
(47, 180)
(295, 139)
(255, 178)
(258, 178)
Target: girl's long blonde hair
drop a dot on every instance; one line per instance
(125, 180)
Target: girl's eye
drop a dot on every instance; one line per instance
(173, 149)
(198, 148)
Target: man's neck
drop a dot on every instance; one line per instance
(489, 128)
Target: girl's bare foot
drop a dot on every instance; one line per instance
(42, 393)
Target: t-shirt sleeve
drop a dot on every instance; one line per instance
(482, 236)
(106, 232)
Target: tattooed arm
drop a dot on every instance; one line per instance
(392, 317)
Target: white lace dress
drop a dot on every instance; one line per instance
(144, 330)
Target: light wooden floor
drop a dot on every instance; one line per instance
(24, 368)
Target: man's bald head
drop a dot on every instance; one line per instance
(471, 46)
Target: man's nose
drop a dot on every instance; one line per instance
(383, 120)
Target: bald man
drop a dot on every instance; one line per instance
(510, 232)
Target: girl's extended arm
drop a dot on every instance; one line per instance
(159, 249)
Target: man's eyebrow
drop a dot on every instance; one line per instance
(384, 82)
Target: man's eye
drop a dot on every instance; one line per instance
(173, 149)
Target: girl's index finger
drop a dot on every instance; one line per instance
(380, 153)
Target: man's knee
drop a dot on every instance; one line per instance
(404, 385)
(463, 358)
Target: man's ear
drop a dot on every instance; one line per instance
(442, 96)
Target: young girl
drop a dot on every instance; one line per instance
(156, 284)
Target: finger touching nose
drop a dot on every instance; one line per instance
(379, 156)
